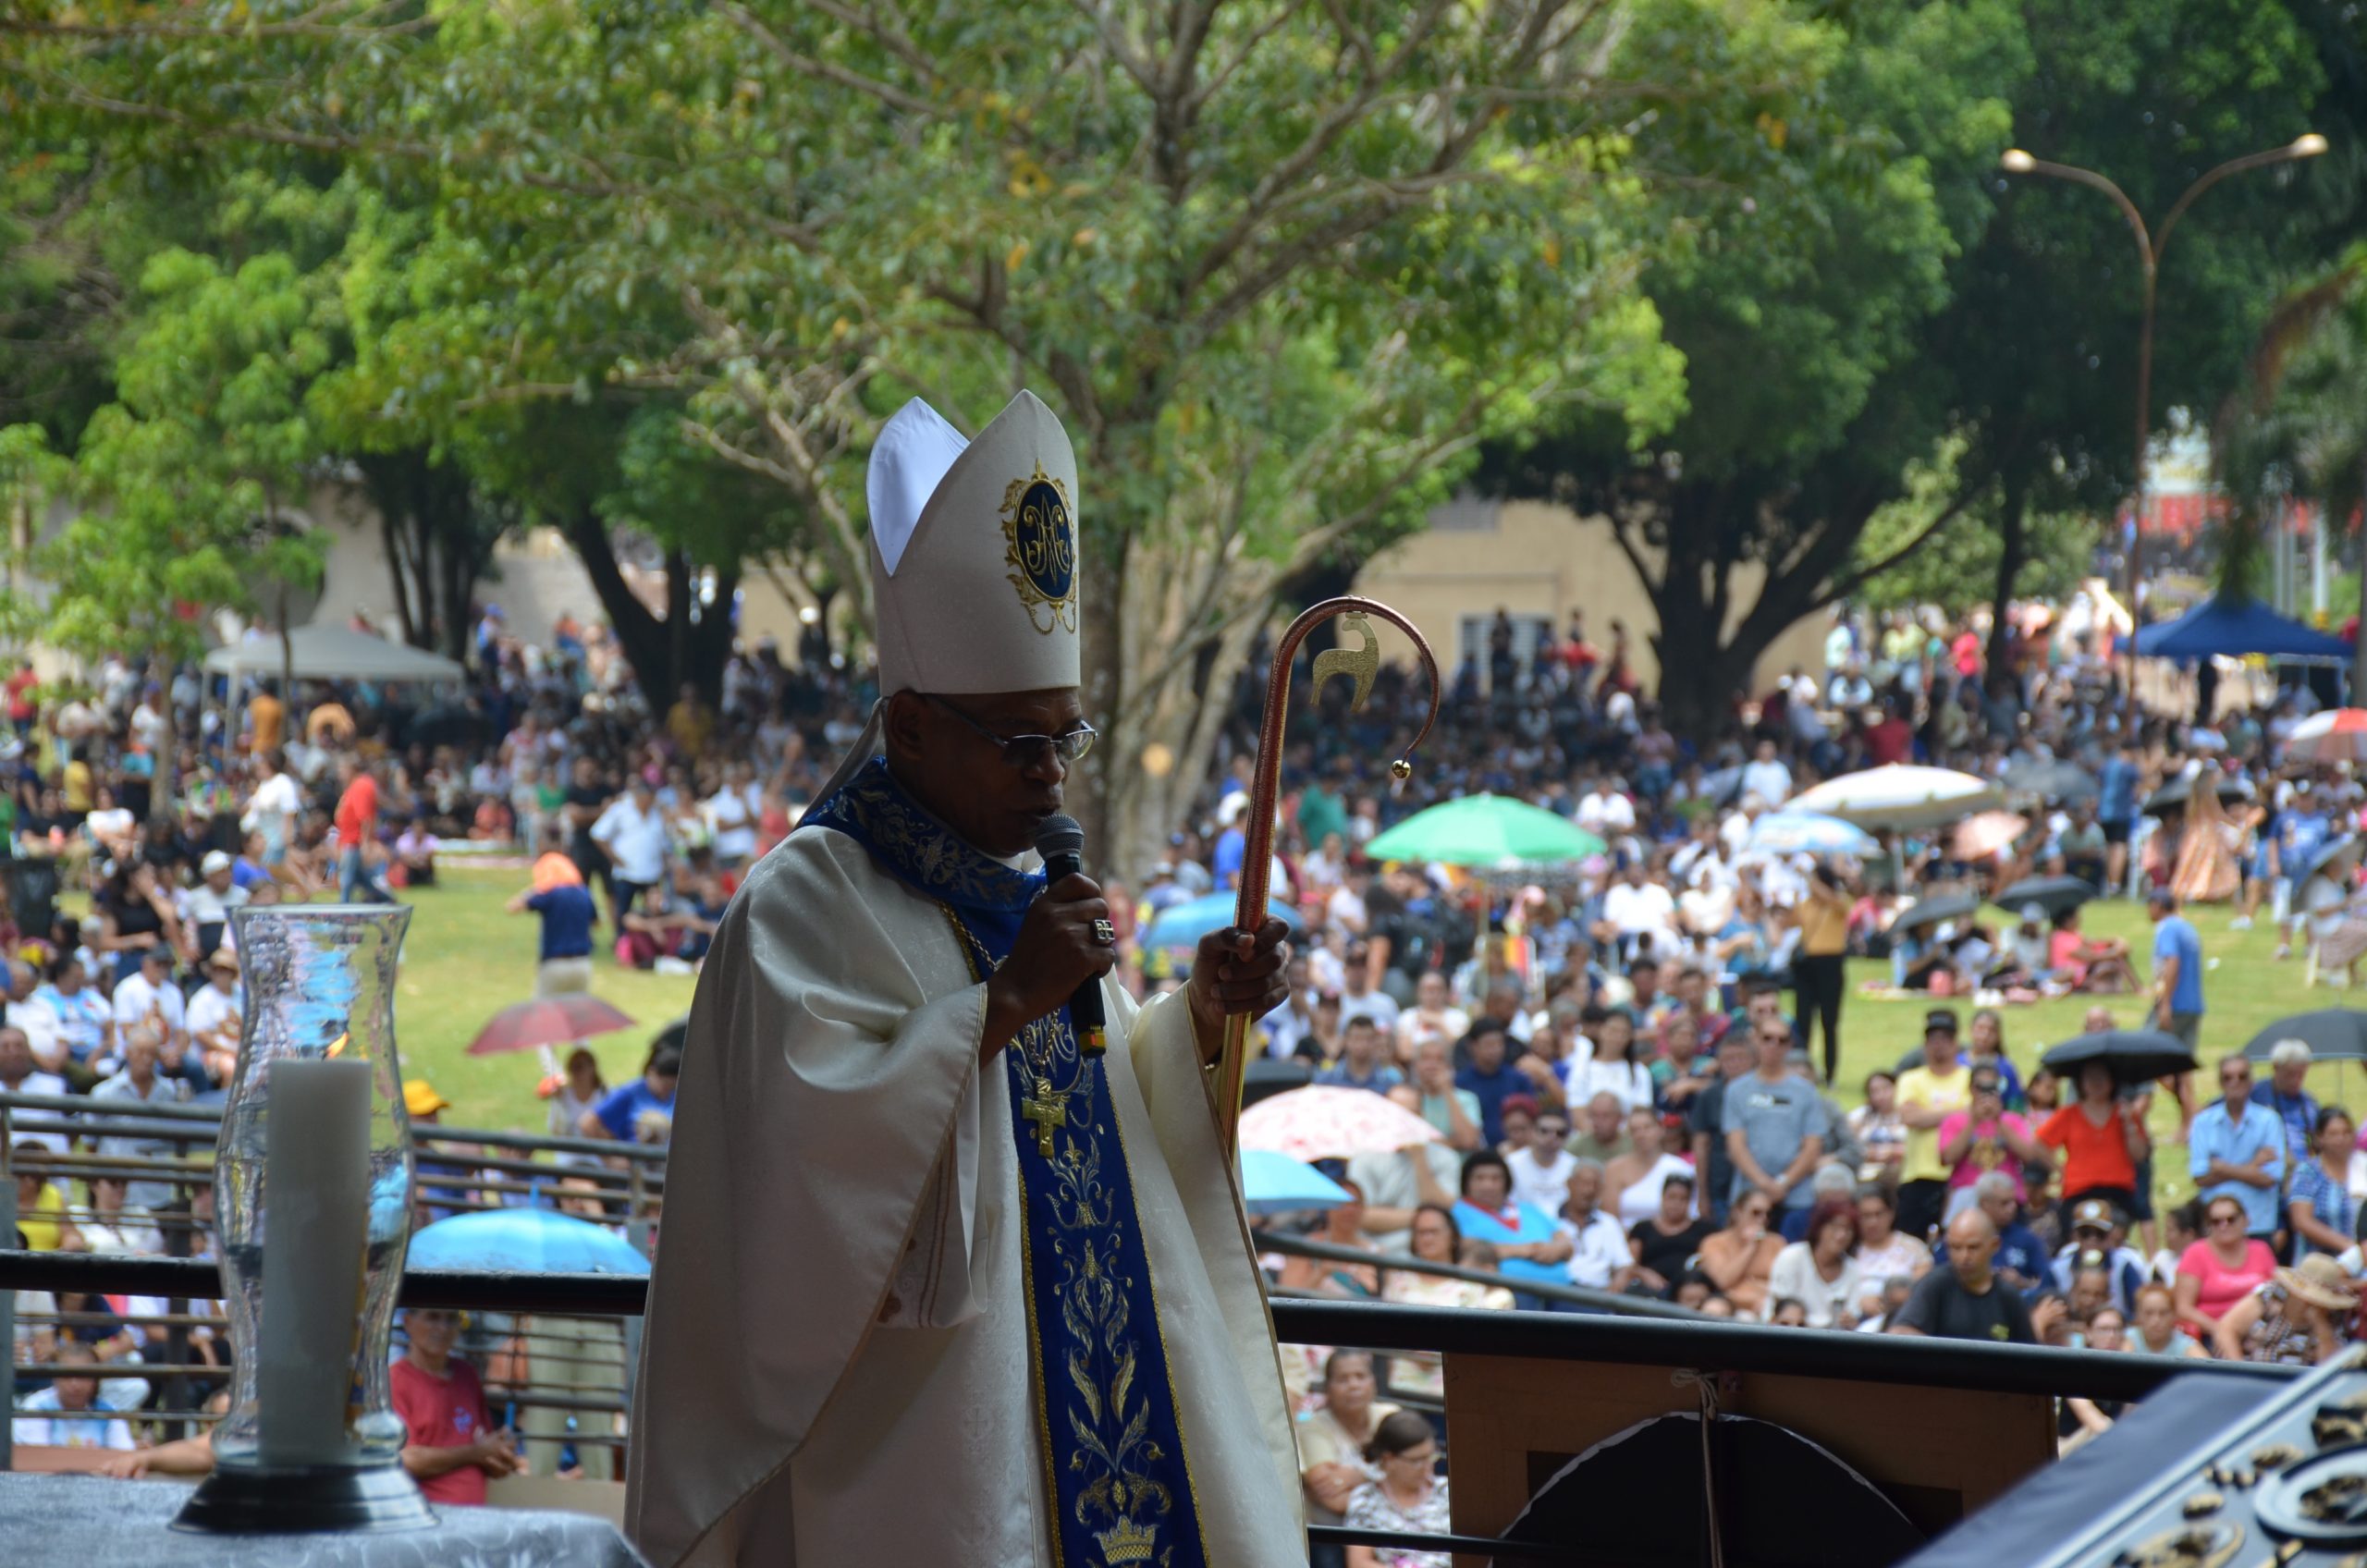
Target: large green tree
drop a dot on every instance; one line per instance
(1798, 304)
(1279, 267)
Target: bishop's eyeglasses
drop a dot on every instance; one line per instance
(1025, 751)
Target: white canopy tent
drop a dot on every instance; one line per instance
(332, 653)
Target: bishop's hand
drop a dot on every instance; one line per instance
(1056, 952)
(1236, 973)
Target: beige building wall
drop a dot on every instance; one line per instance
(1539, 560)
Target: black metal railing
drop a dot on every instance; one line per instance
(1701, 1344)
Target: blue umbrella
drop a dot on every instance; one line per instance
(1183, 926)
(1275, 1183)
(1810, 833)
(536, 1241)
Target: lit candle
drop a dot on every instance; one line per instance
(316, 1193)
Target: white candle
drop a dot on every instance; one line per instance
(316, 1196)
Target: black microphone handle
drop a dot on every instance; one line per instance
(1085, 1015)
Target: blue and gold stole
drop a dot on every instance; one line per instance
(1114, 1463)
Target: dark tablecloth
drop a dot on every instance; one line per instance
(88, 1522)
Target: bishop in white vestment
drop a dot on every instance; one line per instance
(938, 1283)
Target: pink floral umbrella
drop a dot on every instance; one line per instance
(1325, 1122)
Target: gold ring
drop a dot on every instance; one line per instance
(1105, 932)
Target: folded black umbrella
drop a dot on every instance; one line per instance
(2334, 1034)
(2053, 894)
(2135, 1055)
(2052, 780)
(1940, 906)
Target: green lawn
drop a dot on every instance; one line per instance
(2245, 989)
(466, 959)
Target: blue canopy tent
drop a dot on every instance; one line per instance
(2220, 628)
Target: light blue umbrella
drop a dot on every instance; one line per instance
(1275, 1183)
(1183, 926)
(535, 1241)
(1810, 833)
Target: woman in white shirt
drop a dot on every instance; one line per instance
(1636, 1178)
(1611, 1068)
(1819, 1272)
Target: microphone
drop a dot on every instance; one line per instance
(1061, 843)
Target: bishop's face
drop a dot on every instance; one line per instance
(958, 757)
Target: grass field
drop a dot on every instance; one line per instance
(466, 959)
(2245, 989)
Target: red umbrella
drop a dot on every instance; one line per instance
(547, 1021)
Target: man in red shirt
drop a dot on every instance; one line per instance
(24, 705)
(452, 1445)
(357, 830)
(1888, 740)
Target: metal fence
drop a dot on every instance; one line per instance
(1706, 1345)
(565, 1374)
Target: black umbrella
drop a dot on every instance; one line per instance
(2322, 864)
(2174, 795)
(2053, 894)
(2135, 1055)
(2052, 780)
(1943, 906)
(2335, 1034)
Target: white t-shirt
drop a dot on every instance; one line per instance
(1603, 1250)
(1347, 911)
(1644, 909)
(1413, 1026)
(36, 1428)
(1629, 1083)
(135, 998)
(275, 801)
(202, 905)
(1534, 1182)
(210, 1009)
(635, 840)
(1379, 1005)
(733, 813)
(1794, 1274)
(1641, 1198)
(25, 1126)
(1770, 780)
(1605, 814)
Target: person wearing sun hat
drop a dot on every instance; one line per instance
(2303, 1316)
(215, 1014)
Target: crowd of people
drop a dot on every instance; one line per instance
(1631, 1062)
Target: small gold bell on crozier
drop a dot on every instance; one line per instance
(1401, 771)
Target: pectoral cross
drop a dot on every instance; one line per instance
(1048, 1111)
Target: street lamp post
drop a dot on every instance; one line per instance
(2150, 245)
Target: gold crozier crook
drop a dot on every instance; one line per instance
(1362, 663)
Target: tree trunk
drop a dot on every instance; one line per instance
(390, 527)
(1103, 794)
(2013, 554)
(643, 637)
(2357, 693)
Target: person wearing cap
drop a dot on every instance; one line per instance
(887, 1116)
(1927, 1095)
(206, 908)
(149, 993)
(2236, 1150)
(2099, 1240)
(215, 1016)
(2303, 1316)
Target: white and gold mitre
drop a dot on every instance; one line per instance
(973, 552)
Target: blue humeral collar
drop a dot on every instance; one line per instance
(911, 845)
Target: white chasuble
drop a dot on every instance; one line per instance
(836, 1367)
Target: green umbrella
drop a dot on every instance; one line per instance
(1485, 830)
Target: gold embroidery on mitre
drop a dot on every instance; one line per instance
(1040, 531)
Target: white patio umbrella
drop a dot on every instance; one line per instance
(1901, 796)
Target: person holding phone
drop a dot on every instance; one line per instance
(1986, 1138)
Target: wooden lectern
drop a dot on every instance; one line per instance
(1938, 1453)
